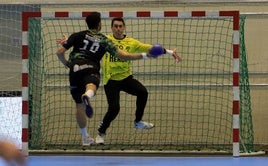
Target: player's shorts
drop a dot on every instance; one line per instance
(79, 80)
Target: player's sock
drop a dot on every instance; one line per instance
(84, 132)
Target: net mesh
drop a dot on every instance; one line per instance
(190, 103)
(246, 125)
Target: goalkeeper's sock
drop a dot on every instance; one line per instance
(84, 132)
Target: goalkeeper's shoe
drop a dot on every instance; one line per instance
(143, 125)
(87, 141)
(89, 109)
(100, 139)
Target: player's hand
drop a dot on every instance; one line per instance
(62, 40)
(176, 56)
(10, 153)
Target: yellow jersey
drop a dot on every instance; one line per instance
(114, 68)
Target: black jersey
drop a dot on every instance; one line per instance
(89, 48)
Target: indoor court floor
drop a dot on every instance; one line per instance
(143, 161)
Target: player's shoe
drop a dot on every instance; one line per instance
(89, 109)
(100, 139)
(143, 125)
(87, 141)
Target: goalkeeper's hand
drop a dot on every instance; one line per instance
(174, 54)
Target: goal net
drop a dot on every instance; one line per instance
(193, 104)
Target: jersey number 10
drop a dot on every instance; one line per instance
(93, 48)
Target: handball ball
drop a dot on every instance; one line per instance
(156, 50)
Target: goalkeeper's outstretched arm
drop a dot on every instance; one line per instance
(121, 54)
(131, 56)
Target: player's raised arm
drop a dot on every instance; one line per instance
(60, 52)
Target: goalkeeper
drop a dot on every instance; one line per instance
(118, 77)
